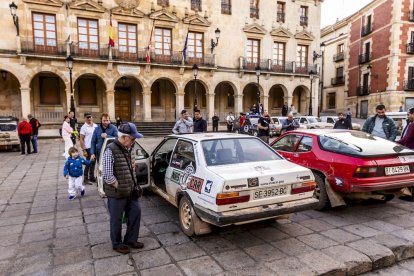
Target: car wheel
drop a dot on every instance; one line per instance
(320, 193)
(185, 213)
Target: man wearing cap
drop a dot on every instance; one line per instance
(121, 189)
(86, 133)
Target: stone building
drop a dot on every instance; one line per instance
(155, 83)
(379, 57)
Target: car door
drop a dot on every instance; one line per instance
(286, 145)
(160, 160)
(303, 154)
(106, 143)
(142, 165)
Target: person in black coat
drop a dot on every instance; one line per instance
(215, 120)
(200, 125)
(284, 110)
(342, 123)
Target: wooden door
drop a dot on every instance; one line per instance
(123, 104)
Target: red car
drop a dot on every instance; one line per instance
(354, 163)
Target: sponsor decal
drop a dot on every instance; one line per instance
(175, 177)
(253, 182)
(261, 168)
(272, 179)
(208, 186)
(188, 171)
(195, 184)
(238, 186)
(305, 177)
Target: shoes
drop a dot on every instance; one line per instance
(71, 197)
(83, 192)
(123, 249)
(136, 245)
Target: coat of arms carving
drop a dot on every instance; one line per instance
(128, 4)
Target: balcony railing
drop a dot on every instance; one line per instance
(28, 47)
(205, 60)
(163, 3)
(364, 58)
(305, 68)
(285, 67)
(339, 57)
(339, 80)
(367, 29)
(411, 16)
(139, 56)
(409, 85)
(196, 5)
(280, 17)
(304, 21)
(254, 12)
(49, 116)
(225, 8)
(410, 48)
(363, 90)
(174, 58)
(100, 53)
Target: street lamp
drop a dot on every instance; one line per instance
(311, 76)
(321, 79)
(258, 71)
(195, 73)
(69, 65)
(214, 44)
(13, 10)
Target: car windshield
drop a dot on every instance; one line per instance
(360, 144)
(238, 150)
(313, 120)
(8, 127)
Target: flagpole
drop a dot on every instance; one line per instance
(148, 54)
(184, 53)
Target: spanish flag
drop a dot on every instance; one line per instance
(111, 33)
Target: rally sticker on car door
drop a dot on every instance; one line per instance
(195, 184)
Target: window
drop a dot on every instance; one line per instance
(226, 6)
(367, 48)
(49, 90)
(287, 143)
(254, 9)
(195, 45)
(305, 144)
(340, 48)
(44, 32)
(280, 12)
(88, 34)
(303, 16)
(331, 102)
(87, 92)
(162, 41)
(230, 99)
(183, 156)
(340, 72)
(302, 56)
(127, 38)
(196, 5)
(278, 53)
(164, 3)
(252, 51)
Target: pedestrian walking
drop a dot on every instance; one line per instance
(230, 122)
(105, 129)
(200, 124)
(73, 172)
(86, 133)
(290, 123)
(342, 123)
(348, 115)
(215, 120)
(35, 127)
(284, 110)
(261, 109)
(264, 127)
(380, 125)
(184, 124)
(407, 136)
(122, 190)
(73, 122)
(67, 136)
(25, 132)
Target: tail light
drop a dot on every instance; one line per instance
(365, 172)
(303, 187)
(231, 198)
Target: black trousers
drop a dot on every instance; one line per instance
(89, 169)
(25, 142)
(229, 128)
(215, 128)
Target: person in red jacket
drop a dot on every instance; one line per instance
(25, 132)
(407, 136)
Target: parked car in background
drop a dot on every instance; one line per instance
(9, 139)
(311, 122)
(278, 121)
(333, 119)
(400, 120)
(250, 126)
(353, 163)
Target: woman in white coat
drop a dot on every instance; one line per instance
(66, 135)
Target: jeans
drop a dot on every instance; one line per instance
(25, 142)
(34, 143)
(89, 169)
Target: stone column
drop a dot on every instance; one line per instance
(26, 101)
(238, 104)
(265, 101)
(18, 44)
(210, 106)
(67, 91)
(110, 103)
(179, 103)
(146, 98)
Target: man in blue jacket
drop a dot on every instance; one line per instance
(105, 129)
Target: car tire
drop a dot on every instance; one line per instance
(186, 216)
(320, 193)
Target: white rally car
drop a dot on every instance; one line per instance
(223, 179)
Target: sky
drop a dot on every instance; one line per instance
(333, 9)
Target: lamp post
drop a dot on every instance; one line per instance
(13, 10)
(311, 76)
(258, 71)
(69, 65)
(321, 79)
(214, 44)
(195, 73)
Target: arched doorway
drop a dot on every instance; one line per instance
(201, 97)
(300, 100)
(90, 95)
(49, 102)
(163, 100)
(249, 96)
(10, 98)
(128, 99)
(276, 99)
(223, 100)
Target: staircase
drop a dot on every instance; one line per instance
(155, 128)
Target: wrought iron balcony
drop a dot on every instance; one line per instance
(139, 56)
(282, 67)
(225, 8)
(172, 58)
(338, 80)
(411, 16)
(364, 58)
(410, 48)
(363, 90)
(251, 64)
(99, 53)
(280, 17)
(339, 57)
(254, 12)
(367, 29)
(205, 60)
(304, 21)
(29, 47)
(305, 68)
(409, 85)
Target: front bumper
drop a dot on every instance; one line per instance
(386, 185)
(254, 213)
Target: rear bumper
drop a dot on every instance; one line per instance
(254, 213)
(386, 185)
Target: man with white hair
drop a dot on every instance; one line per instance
(122, 189)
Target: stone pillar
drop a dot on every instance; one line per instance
(110, 103)
(146, 98)
(238, 104)
(67, 100)
(210, 106)
(179, 103)
(265, 101)
(26, 101)
(18, 44)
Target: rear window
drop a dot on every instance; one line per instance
(360, 144)
(8, 127)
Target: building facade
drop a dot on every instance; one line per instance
(146, 75)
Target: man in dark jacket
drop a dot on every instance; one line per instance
(342, 123)
(290, 123)
(380, 125)
(284, 110)
(215, 120)
(73, 124)
(407, 137)
(200, 125)
(35, 127)
(104, 129)
(25, 132)
(121, 189)
(264, 127)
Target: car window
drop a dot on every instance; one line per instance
(313, 120)
(399, 124)
(305, 144)
(287, 143)
(8, 127)
(164, 152)
(183, 156)
(303, 121)
(138, 153)
(330, 120)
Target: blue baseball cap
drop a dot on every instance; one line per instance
(130, 129)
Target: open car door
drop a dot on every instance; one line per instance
(142, 165)
(99, 178)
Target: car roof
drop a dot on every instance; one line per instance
(320, 131)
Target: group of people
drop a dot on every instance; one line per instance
(28, 130)
(187, 125)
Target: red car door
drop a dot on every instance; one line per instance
(303, 154)
(286, 145)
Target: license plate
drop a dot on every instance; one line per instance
(270, 192)
(397, 170)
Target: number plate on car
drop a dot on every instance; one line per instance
(397, 170)
(271, 192)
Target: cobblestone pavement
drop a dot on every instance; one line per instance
(42, 233)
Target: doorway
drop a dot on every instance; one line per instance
(364, 109)
(123, 103)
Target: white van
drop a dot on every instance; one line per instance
(400, 120)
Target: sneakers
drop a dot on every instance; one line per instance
(136, 245)
(71, 197)
(123, 249)
(83, 192)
